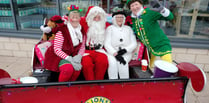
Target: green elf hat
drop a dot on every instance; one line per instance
(74, 8)
(141, 1)
(127, 2)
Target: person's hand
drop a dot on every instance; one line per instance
(69, 58)
(156, 6)
(122, 51)
(76, 66)
(115, 54)
(120, 59)
(77, 58)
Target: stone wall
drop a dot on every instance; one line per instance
(200, 57)
(20, 47)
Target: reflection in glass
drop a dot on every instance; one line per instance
(204, 6)
(83, 4)
(6, 20)
(202, 27)
(32, 12)
(185, 24)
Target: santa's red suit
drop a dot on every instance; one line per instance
(94, 62)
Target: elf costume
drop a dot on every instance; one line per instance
(63, 55)
(145, 25)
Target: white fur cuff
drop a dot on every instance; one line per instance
(45, 29)
(165, 12)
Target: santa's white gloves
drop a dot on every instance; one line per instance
(77, 66)
(45, 29)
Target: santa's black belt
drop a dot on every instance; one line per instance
(96, 47)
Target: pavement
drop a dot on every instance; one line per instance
(21, 67)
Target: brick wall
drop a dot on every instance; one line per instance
(20, 47)
(200, 57)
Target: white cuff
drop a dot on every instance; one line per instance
(165, 12)
(68, 58)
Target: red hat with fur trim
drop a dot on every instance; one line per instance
(93, 12)
(89, 8)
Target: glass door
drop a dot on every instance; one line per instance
(6, 15)
(31, 13)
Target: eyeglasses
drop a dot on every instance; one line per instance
(119, 17)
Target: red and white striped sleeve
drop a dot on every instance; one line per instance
(82, 48)
(58, 43)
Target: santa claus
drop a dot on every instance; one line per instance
(94, 61)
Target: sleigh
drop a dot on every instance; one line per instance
(141, 87)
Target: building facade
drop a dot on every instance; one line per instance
(189, 31)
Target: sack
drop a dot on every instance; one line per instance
(41, 49)
(137, 55)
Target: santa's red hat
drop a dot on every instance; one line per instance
(89, 8)
(93, 11)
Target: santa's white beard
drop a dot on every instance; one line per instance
(95, 34)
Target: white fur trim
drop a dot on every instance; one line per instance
(65, 19)
(93, 12)
(45, 29)
(115, 23)
(165, 12)
(75, 34)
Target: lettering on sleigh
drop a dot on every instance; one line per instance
(98, 99)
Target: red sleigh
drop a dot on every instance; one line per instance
(139, 88)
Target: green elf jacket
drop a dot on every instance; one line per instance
(149, 32)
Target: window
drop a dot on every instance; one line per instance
(83, 4)
(6, 16)
(191, 17)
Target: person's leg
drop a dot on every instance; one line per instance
(152, 60)
(66, 71)
(124, 69)
(75, 75)
(101, 65)
(88, 67)
(112, 69)
(167, 57)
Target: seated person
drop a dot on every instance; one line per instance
(64, 56)
(120, 42)
(95, 60)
